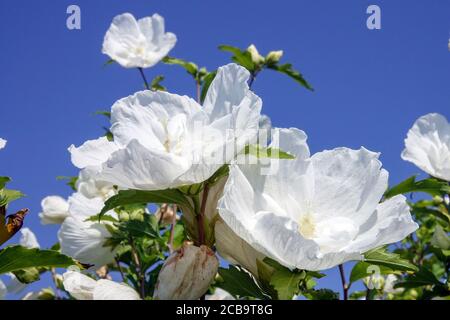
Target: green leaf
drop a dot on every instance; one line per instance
(294, 74)
(109, 62)
(207, 80)
(156, 85)
(440, 238)
(127, 197)
(285, 281)
(4, 181)
(423, 277)
(190, 67)
(71, 181)
(7, 196)
(98, 217)
(15, 258)
(363, 269)
(431, 186)
(136, 228)
(382, 257)
(321, 294)
(241, 57)
(239, 283)
(267, 152)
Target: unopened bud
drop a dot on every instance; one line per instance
(256, 57)
(165, 214)
(187, 273)
(274, 56)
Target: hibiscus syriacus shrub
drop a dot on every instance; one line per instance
(194, 198)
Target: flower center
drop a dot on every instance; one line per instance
(307, 226)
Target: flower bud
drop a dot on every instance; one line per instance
(165, 214)
(187, 273)
(274, 56)
(256, 57)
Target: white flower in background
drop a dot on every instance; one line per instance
(3, 290)
(81, 239)
(2, 143)
(428, 145)
(389, 283)
(28, 239)
(219, 294)
(85, 241)
(82, 287)
(186, 273)
(137, 44)
(315, 212)
(55, 210)
(163, 140)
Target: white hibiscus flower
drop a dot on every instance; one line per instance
(2, 143)
(137, 44)
(428, 145)
(81, 239)
(163, 140)
(82, 287)
(315, 212)
(55, 210)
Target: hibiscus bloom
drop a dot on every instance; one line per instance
(314, 212)
(164, 140)
(428, 145)
(138, 44)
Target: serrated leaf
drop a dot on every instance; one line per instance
(15, 258)
(431, 186)
(241, 57)
(285, 281)
(127, 197)
(363, 269)
(156, 85)
(136, 228)
(239, 283)
(423, 277)
(267, 152)
(294, 74)
(7, 196)
(382, 257)
(190, 67)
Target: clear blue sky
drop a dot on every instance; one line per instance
(370, 85)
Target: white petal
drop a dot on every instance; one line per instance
(2, 143)
(291, 140)
(82, 208)
(428, 145)
(28, 239)
(145, 115)
(391, 222)
(55, 210)
(136, 167)
(348, 183)
(14, 286)
(110, 290)
(228, 90)
(92, 152)
(80, 286)
(85, 242)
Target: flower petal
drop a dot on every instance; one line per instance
(92, 152)
(428, 145)
(110, 290)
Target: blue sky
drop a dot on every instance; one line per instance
(370, 84)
